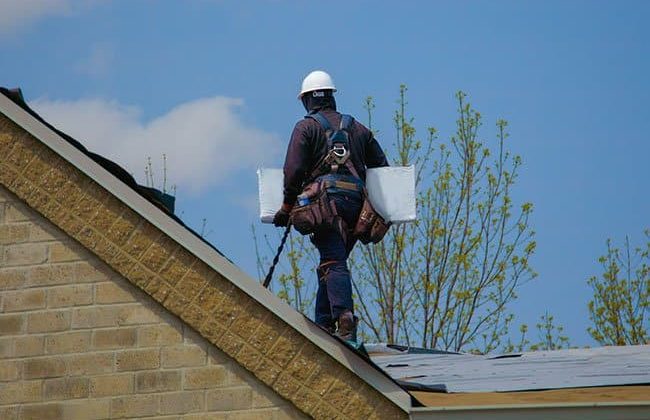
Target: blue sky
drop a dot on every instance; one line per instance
(213, 85)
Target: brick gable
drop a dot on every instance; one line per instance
(80, 341)
(258, 339)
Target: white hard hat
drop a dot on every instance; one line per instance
(316, 80)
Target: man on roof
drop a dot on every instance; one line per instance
(324, 176)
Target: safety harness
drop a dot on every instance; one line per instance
(370, 227)
(338, 152)
(337, 156)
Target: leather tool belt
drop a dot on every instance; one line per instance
(319, 211)
(370, 227)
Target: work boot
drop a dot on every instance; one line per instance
(347, 326)
(330, 327)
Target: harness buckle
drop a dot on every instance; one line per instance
(339, 150)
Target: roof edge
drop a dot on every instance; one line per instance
(345, 356)
(558, 411)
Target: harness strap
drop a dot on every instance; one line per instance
(344, 185)
(322, 121)
(324, 268)
(346, 121)
(352, 169)
(326, 264)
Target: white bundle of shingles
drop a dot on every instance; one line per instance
(391, 191)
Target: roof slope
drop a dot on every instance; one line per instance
(188, 277)
(529, 371)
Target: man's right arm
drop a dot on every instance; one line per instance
(296, 163)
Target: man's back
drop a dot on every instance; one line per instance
(308, 145)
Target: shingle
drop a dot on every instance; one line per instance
(572, 368)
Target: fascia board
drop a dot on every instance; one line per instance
(566, 411)
(207, 254)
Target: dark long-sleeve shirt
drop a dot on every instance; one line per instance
(308, 145)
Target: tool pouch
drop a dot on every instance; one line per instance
(320, 210)
(370, 227)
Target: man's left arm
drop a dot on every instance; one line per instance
(375, 157)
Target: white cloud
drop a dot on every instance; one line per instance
(16, 14)
(205, 140)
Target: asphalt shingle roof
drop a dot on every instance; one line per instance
(571, 368)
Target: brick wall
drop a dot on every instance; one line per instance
(77, 340)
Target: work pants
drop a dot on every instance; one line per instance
(334, 295)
